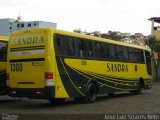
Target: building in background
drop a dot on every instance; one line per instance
(155, 27)
(10, 25)
(126, 37)
(139, 39)
(5, 26)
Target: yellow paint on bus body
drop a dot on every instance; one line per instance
(37, 46)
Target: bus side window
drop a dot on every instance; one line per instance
(62, 44)
(97, 50)
(80, 47)
(131, 54)
(3, 51)
(59, 44)
(139, 56)
(112, 49)
(89, 48)
(85, 48)
(119, 52)
(71, 46)
(106, 50)
(142, 55)
(101, 50)
(125, 53)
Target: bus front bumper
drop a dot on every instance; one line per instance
(148, 85)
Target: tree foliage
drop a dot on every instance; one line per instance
(151, 41)
(112, 35)
(157, 47)
(154, 44)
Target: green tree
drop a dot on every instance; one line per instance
(133, 37)
(154, 44)
(113, 35)
(103, 35)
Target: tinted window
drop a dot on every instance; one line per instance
(105, 50)
(71, 46)
(119, 52)
(125, 53)
(131, 54)
(136, 55)
(139, 56)
(101, 50)
(112, 51)
(85, 48)
(66, 45)
(3, 51)
(97, 49)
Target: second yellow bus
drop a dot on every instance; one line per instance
(3, 64)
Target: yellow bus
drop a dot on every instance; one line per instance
(55, 65)
(3, 64)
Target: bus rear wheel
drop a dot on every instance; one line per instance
(91, 94)
(110, 94)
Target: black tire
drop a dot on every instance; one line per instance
(91, 94)
(57, 100)
(79, 99)
(139, 89)
(110, 94)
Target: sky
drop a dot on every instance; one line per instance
(88, 15)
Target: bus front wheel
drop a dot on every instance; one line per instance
(139, 88)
